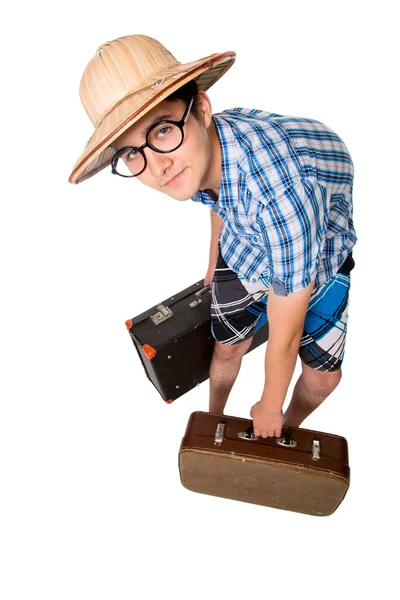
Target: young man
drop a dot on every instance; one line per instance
(280, 193)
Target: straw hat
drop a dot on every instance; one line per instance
(126, 79)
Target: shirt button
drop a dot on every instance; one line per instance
(255, 238)
(253, 279)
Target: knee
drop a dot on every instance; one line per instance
(227, 352)
(320, 382)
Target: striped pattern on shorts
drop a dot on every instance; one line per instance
(239, 309)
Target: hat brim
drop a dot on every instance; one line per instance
(98, 154)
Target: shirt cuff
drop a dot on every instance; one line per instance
(279, 287)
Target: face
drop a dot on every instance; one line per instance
(181, 173)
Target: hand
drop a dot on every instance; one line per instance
(209, 276)
(266, 422)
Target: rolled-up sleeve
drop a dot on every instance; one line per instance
(204, 198)
(215, 207)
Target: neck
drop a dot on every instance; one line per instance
(212, 178)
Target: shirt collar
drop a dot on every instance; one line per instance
(229, 189)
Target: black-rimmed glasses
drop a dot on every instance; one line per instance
(164, 136)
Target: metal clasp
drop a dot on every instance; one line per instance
(162, 315)
(197, 295)
(316, 450)
(219, 434)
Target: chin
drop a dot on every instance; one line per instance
(181, 193)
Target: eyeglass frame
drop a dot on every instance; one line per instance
(140, 149)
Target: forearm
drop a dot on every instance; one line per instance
(280, 362)
(286, 316)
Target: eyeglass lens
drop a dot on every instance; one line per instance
(164, 137)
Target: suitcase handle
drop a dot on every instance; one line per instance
(197, 295)
(284, 440)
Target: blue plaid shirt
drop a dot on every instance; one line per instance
(285, 199)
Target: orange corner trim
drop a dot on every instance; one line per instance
(149, 351)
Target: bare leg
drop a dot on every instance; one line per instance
(224, 369)
(310, 391)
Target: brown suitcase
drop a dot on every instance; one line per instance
(302, 471)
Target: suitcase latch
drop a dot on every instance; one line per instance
(316, 450)
(219, 434)
(162, 315)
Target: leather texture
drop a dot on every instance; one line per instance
(262, 471)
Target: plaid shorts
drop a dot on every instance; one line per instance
(239, 309)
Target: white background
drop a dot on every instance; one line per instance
(91, 503)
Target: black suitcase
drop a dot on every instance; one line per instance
(175, 343)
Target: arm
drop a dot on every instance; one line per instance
(216, 229)
(286, 316)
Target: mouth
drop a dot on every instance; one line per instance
(175, 179)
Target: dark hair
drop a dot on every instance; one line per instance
(187, 91)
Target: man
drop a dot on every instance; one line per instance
(280, 193)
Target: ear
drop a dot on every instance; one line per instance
(204, 108)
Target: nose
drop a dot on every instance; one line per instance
(157, 163)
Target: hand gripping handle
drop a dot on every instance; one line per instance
(283, 440)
